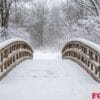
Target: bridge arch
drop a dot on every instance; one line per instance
(85, 53)
(12, 52)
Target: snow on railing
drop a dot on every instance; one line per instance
(12, 52)
(85, 53)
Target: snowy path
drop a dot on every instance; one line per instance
(48, 79)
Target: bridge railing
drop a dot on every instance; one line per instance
(12, 52)
(85, 53)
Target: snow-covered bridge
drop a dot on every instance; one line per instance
(12, 52)
(85, 53)
(47, 77)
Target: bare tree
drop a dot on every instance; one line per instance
(40, 11)
(93, 6)
(18, 6)
(5, 6)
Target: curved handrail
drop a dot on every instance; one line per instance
(12, 52)
(85, 53)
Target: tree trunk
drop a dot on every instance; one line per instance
(4, 11)
(41, 34)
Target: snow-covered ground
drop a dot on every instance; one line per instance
(48, 77)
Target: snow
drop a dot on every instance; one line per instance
(7, 42)
(44, 78)
(86, 42)
(46, 55)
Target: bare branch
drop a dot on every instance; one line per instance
(86, 6)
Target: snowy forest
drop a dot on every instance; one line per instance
(50, 23)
